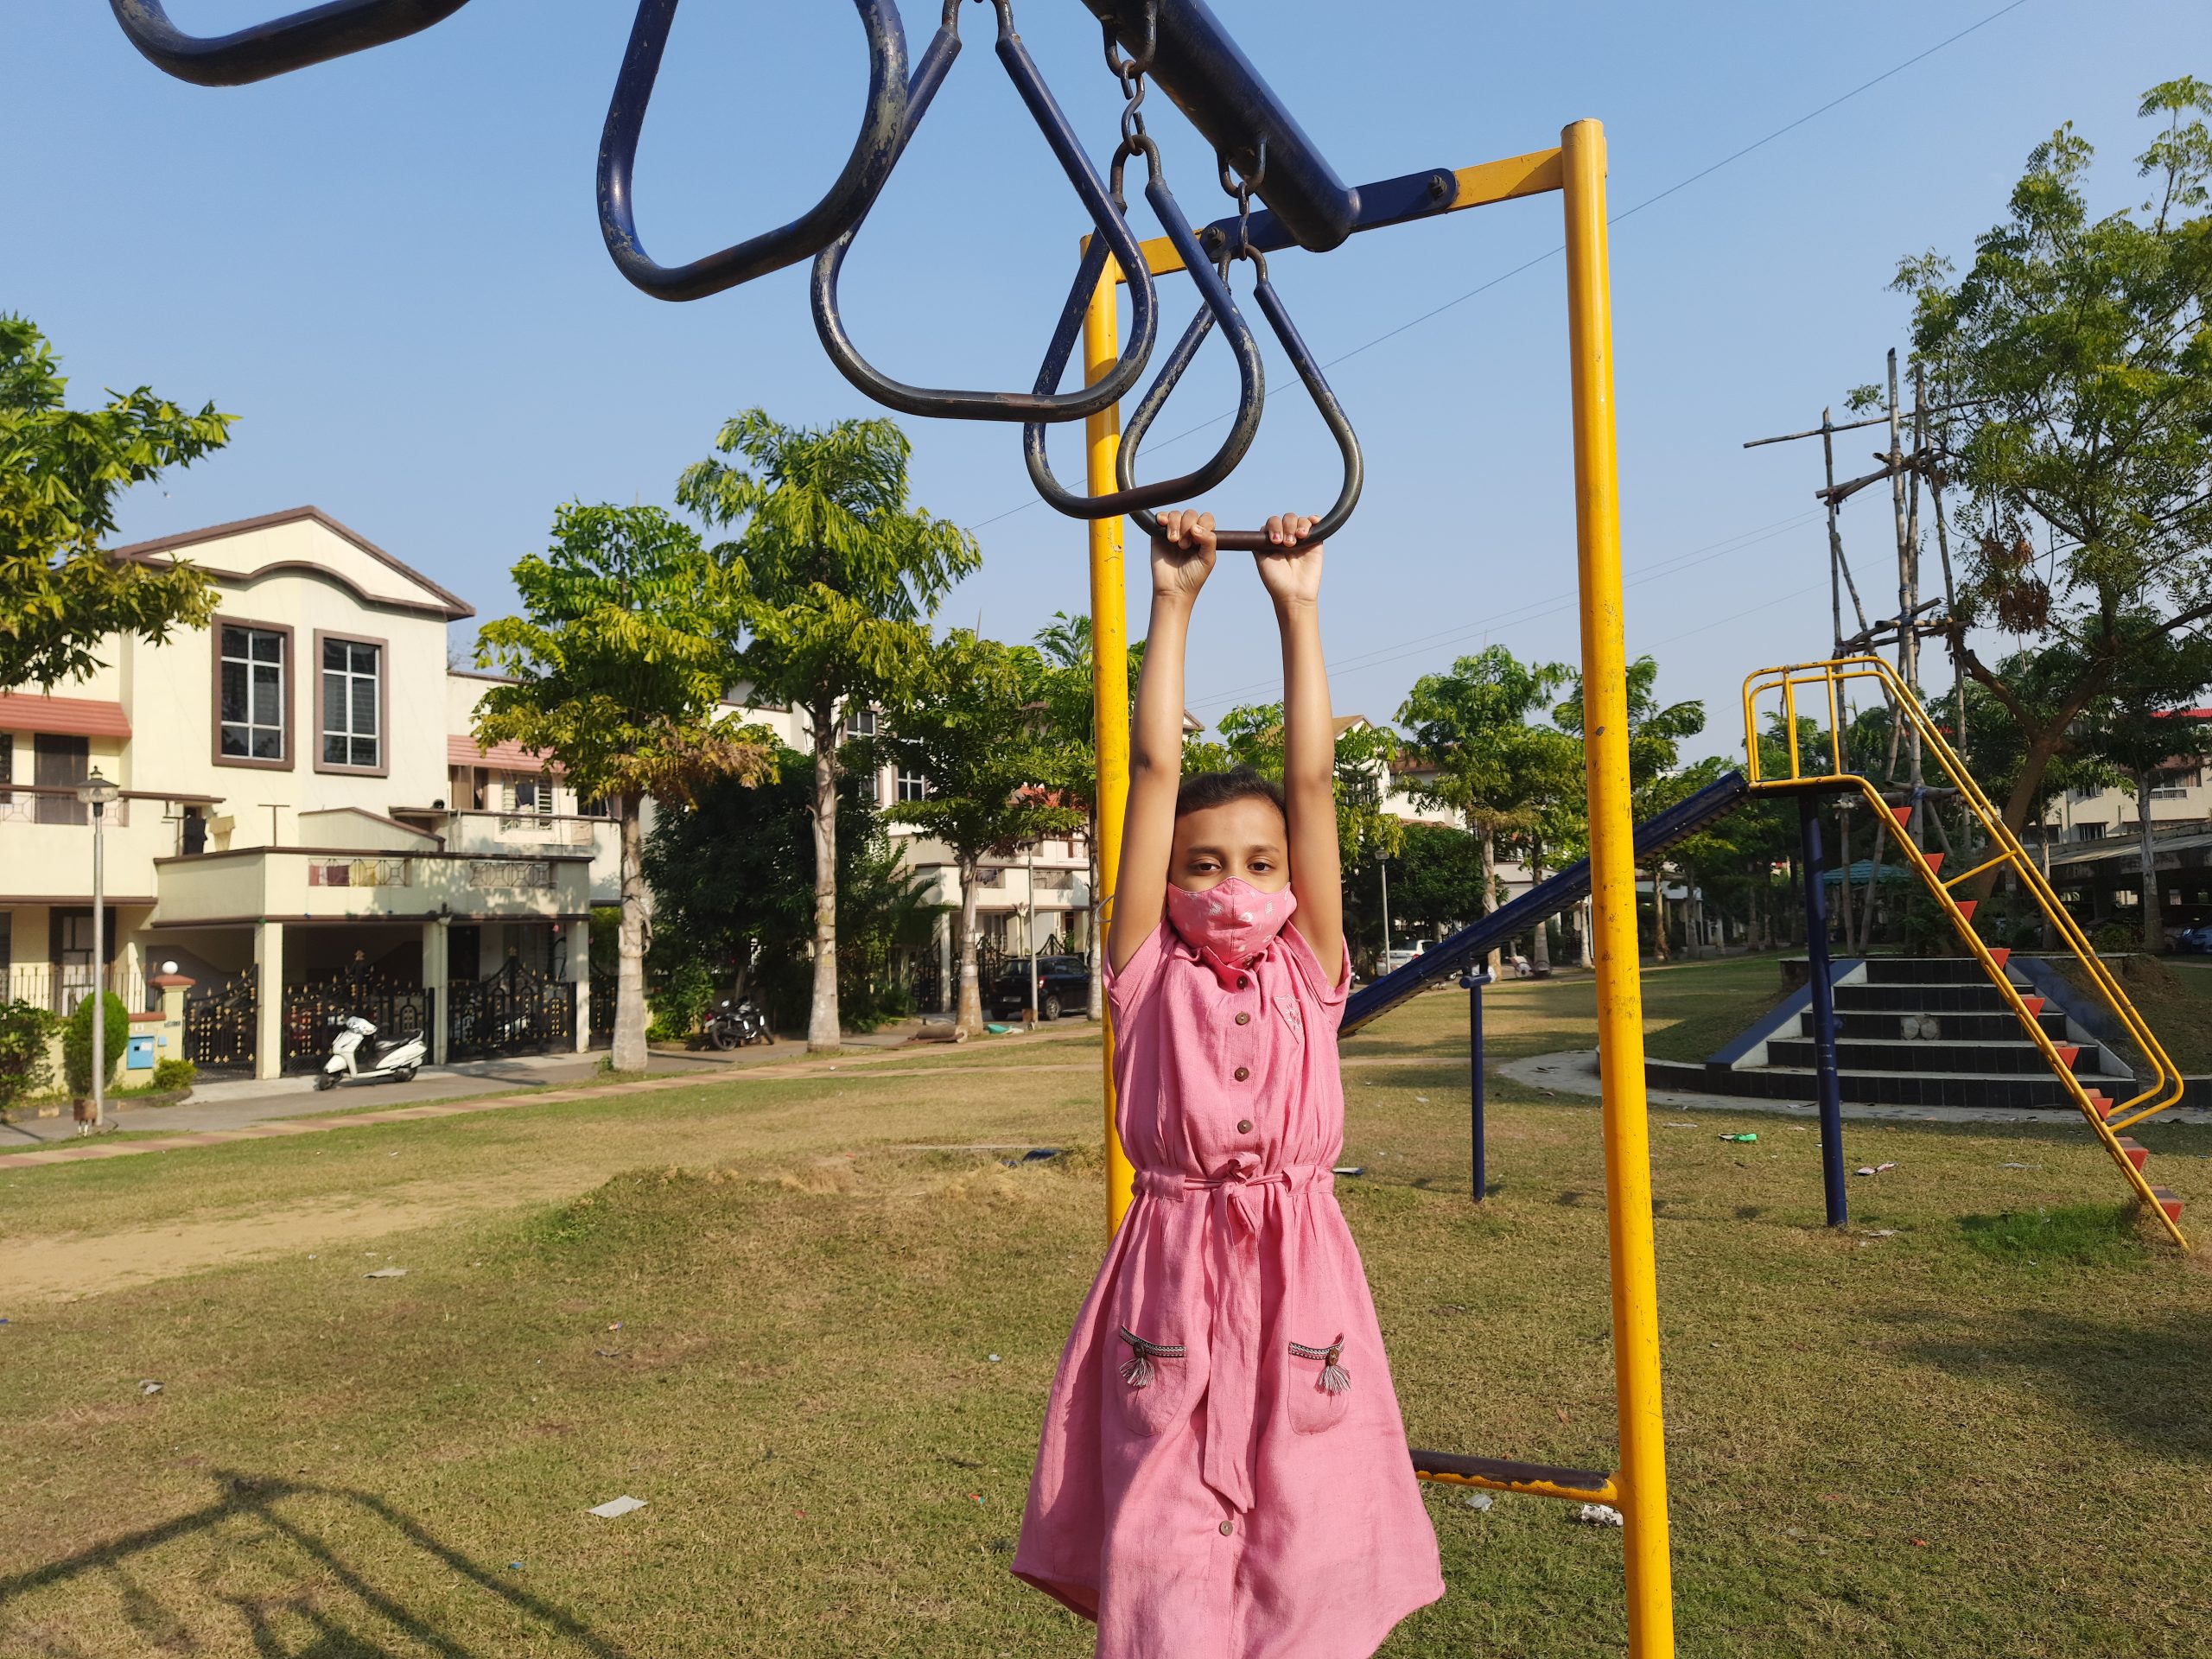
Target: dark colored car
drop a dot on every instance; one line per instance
(1063, 987)
(2196, 941)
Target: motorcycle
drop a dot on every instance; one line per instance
(400, 1058)
(735, 1024)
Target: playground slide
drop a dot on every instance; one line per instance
(1539, 905)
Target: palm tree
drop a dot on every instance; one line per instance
(841, 580)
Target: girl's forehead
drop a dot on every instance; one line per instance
(1250, 821)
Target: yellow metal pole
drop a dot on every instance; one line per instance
(1643, 1477)
(1109, 677)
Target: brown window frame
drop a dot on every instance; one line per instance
(383, 768)
(290, 699)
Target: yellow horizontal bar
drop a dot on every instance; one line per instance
(1480, 185)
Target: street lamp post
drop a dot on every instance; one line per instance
(96, 792)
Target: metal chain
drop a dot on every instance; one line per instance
(1241, 187)
(1129, 69)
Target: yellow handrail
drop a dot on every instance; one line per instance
(2166, 1089)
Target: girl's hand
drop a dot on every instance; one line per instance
(1182, 554)
(1290, 567)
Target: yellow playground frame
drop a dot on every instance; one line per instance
(1577, 170)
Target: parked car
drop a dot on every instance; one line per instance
(1063, 987)
(2197, 941)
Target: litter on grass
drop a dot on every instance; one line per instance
(1678, 1126)
(1479, 1500)
(1746, 1137)
(615, 1506)
(1349, 1169)
(149, 1386)
(1600, 1515)
(2008, 1167)
(386, 1273)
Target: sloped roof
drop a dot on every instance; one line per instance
(153, 551)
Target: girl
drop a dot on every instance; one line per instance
(1223, 1474)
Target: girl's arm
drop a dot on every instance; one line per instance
(1182, 558)
(1291, 570)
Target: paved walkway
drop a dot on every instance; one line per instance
(269, 1109)
(1574, 1072)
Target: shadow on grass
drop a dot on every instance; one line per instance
(274, 1621)
(2141, 1381)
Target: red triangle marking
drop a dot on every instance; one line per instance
(2000, 954)
(1903, 815)
(2033, 1004)
(1935, 864)
(1966, 909)
(2067, 1052)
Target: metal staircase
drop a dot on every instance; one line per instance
(1816, 687)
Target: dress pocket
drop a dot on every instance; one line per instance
(1319, 1388)
(1154, 1382)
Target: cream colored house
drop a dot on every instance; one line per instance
(306, 822)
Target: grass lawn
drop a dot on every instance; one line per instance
(816, 1339)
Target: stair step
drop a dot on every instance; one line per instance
(1926, 970)
(2012, 1091)
(2167, 1202)
(2015, 1057)
(1888, 1026)
(2136, 1151)
(1984, 998)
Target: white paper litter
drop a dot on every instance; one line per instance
(1479, 1500)
(615, 1506)
(1600, 1515)
(386, 1273)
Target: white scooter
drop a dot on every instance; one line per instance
(400, 1059)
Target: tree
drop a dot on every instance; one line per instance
(1656, 734)
(1436, 885)
(1064, 693)
(77, 1040)
(24, 1064)
(733, 883)
(2084, 349)
(2141, 731)
(1490, 765)
(62, 472)
(619, 663)
(842, 578)
(969, 730)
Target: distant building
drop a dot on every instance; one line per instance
(2090, 840)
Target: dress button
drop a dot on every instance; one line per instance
(1243, 1126)
(1228, 1527)
(1244, 1019)
(1242, 1072)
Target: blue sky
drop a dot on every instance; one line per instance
(389, 268)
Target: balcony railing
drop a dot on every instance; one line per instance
(58, 987)
(55, 804)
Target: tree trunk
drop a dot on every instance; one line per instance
(2154, 929)
(1093, 956)
(1490, 896)
(631, 939)
(1658, 912)
(824, 1030)
(969, 1017)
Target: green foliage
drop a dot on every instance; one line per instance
(680, 1000)
(840, 575)
(1436, 885)
(2084, 347)
(61, 470)
(621, 657)
(25, 1068)
(174, 1074)
(77, 1041)
(732, 875)
(966, 727)
(1253, 737)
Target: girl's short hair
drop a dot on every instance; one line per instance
(1202, 790)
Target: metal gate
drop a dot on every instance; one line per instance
(517, 1010)
(393, 1006)
(220, 1021)
(603, 993)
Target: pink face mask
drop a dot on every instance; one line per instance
(1231, 923)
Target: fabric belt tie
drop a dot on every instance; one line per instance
(1233, 1275)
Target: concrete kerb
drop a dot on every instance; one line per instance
(1574, 1072)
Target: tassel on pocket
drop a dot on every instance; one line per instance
(1137, 1370)
(1334, 1378)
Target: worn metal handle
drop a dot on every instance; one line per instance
(1219, 306)
(1113, 235)
(1325, 400)
(873, 152)
(275, 48)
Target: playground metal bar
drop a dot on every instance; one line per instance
(1638, 1489)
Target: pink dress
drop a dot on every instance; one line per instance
(1207, 1488)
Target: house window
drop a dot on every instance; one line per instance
(912, 786)
(861, 722)
(61, 762)
(533, 795)
(253, 696)
(7, 768)
(2176, 785)
(353, 704)
(594, 807)
(992, 875)
(2088, 832)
